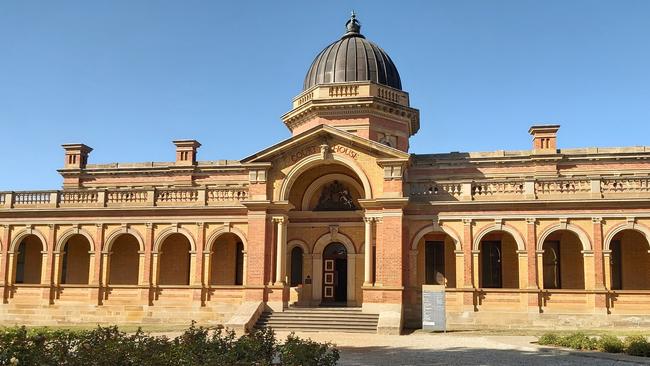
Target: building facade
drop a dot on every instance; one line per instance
(338, 214)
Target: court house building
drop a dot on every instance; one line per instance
(339, 215)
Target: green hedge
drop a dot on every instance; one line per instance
(196, 346)
(632, 345)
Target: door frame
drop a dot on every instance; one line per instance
(317, 267)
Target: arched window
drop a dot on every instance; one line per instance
(498, 261)
(630, 261)
(175, 260)
(562, 261)
(239, 267)
(227, 261)
(29, 260)
(296, 266)
(124, 265)
(75, 263)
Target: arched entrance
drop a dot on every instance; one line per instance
(335, 274)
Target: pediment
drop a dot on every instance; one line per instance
(321, 137)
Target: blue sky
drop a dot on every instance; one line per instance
(127, 77)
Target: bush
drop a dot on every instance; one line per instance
(299, 352)
(196, 346)
(550, 339)
(577, 341)
(637, 346)
(610, 344)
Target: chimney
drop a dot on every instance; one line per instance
(76, 156)
(186, 151)
(544, 138)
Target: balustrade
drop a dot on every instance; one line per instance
(177, 196)
(489, 189)
(625, 185)
(227, 195)
(563, 187)
(344, 91)
(419, 191)
(435, 190)
(31, 198)
(78, 197)
(126, 197)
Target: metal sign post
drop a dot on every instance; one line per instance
(433, 308)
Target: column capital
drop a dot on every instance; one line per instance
(597, 220)
(148, 225)
(531, 220)
(467, 221)
(280, 219)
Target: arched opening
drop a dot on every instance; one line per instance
(562, 261)
(227, 261)
(335, 270)
(174, 257)
(296, 266)
(332, 187)
(124, 265)
(29, 260)
(498, 261)
(436, 260)
(630, 261)
(75, 261)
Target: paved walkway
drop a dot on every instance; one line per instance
(457, 349)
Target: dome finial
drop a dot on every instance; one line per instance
(352, 26)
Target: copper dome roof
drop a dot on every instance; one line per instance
(352, 58)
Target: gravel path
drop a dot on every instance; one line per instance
(457, 349)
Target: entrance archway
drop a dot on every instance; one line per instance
(335, 269)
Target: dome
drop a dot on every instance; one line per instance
(352, 58)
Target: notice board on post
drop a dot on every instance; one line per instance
(433, 308)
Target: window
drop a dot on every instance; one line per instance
(491, 263)
(551, 263)
(434, 262)
(296, 266)
(20, 264)
(616, 265)
(239, 265)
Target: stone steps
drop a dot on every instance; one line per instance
(348, 320)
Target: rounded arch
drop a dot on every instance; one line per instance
(212, 238)
(166, 232)
(297, 243)
(582, 235)
(18, 238)
(318, 183)
(644, 230)
(499, 227)
(328, 238)
(63, 239)
(110, 239)
(311, 161)
(435, 228)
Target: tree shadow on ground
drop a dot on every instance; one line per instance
(396, 356)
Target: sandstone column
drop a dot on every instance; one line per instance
(368, 263)
(531, 249)
(280, 250)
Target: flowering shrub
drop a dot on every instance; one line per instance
(196, 346)
(633, 345)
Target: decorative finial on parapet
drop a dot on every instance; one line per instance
(352, 26)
